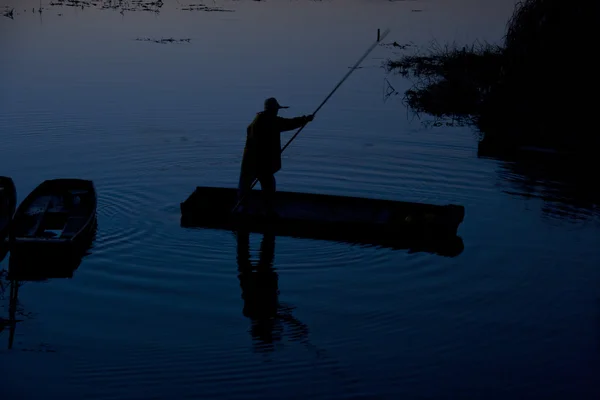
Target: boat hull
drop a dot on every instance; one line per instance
(386, 223)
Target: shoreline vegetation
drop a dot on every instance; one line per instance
(529, 92)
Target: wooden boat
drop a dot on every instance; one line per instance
(59, 214)
(8, 202)
(387, 223)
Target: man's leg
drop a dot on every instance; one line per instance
(268, 187)
(244, 186)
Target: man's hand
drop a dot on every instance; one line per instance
(309, 118)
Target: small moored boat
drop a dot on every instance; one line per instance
(57, 213)
(328, 217)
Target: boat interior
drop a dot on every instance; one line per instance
(57, 215)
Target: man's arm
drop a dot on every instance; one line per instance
(288, 124)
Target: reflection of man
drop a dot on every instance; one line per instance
(259, 287)
(260, 291)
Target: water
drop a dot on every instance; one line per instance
(158, 311)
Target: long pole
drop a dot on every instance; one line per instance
(354, 67)
(337, 86)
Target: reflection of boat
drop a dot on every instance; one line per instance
(33, 266)
(401, 225)
(8, 201)
(37, 267)
(27, 268)
(57, 212)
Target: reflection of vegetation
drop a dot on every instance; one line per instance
(562, 185)
(14, 308)
(16, 314)
(521, 93)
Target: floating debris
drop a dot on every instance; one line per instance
(9, 13)
(164, 41)
(388, 90)
(133, 5)
(122, 5)
(76, 3)
(398, 45)
(202, 7)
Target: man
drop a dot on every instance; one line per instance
(262, 153)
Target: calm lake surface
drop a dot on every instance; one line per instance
(158, 311)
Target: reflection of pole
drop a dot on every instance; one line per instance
(12, 310)
(260, 293)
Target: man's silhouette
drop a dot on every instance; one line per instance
(262, 152)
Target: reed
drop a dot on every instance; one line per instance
(527, 90)
(450, 81)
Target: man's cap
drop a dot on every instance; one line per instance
(272, 104)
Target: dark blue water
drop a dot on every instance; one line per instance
(159, 311)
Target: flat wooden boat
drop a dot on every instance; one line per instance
(57, 214)
(423, 227)
(8, 202)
